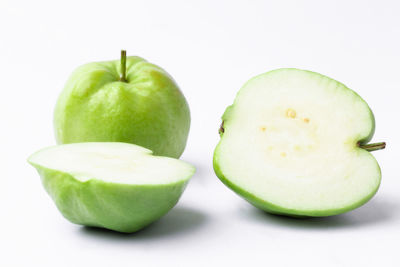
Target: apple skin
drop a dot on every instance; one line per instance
(276, 209)
(148, 110)
(121, 207)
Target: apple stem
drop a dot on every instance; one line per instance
(123, 66)
(373, 147)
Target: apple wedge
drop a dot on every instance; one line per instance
(295, 143)
(118, 186)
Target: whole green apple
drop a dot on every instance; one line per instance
(130, 100)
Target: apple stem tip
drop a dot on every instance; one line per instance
(123, 66)
(373, 147)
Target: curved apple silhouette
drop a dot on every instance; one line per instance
(295, 143)
(118, 186)
(130, 101)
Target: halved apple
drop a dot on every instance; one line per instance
(118, 186)
(295, 142)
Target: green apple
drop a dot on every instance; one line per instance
(295, 143)
(129, 101)
(118, 186)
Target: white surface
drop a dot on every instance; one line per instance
(112, 162)
(211, 48)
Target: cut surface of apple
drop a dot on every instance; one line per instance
(292, 143)
(118, 186)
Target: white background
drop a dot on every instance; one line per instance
(211, 48)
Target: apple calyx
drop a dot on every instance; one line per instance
(221, 129)
(372, 147)
(123, 66)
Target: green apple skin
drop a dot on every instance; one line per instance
(275, 209)
(122, 207)
(148, 109)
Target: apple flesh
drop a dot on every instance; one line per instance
(294, 143)
(118, 186)
(131, 101)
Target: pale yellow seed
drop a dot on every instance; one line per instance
(291, 113)
(283, 154)
(306, 120)
(263, 128)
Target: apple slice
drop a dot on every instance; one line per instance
(118, 186)
(294, 143)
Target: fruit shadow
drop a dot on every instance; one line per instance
(179, 221)
(377, 211)
(202, 171)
